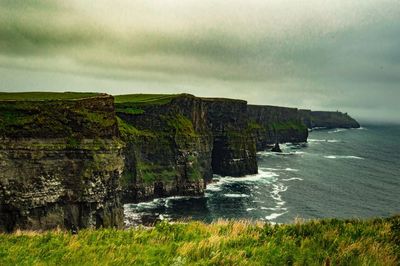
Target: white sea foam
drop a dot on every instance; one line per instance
(214, 187)
(273, 216)
(250, 209)
(337, 130)
(231, 195)
(262, 176)
(323, 140)
(291, 179)
(276, 208)
(343, 157)
(291, 170)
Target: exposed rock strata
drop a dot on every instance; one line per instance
(59, 165)
(66, 163)
(273, 124)
(169, 148)
(234, 148)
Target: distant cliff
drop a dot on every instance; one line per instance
(272, 124)
(60, 164)
(325, 119)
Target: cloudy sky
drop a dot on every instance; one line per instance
(319, 54)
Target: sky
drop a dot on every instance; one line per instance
(315, 54)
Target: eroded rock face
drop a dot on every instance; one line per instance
(45, 185)
(169, 148)
(234, 147)
(273, 124)
(67, 178)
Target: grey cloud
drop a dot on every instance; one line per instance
(332, 56)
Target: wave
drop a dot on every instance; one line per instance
(336, 130)
(284, 153)
(262, 176)
(343, 157)
(293, 178)
(323, 140)
(231, 195)
(280, 169)
(291, 169)
(274, 215)
(277, 208)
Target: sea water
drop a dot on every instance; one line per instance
(341, 173)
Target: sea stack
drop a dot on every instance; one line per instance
(276, 148)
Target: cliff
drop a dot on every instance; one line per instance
(169, 145)
(69, 159)
(325, 119)
(60, 162)
(271, 124)
(234, 148)
(175, 143)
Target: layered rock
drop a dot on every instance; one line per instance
(169, 147)
(273, 124)
(234, 148)
(60, 164)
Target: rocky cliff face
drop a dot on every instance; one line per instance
(234, 148)
(60, 164)
(68, 163)
(272, 124)
(176, 144)
(169, 147)
(328, 119)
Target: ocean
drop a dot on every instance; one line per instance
(339, 173)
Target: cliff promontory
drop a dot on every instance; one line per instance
(324, 119)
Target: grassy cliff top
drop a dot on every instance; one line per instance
(322, 242)
(145, 98)
(42, 96)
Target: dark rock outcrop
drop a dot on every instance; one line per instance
(59, 164)
(273, 124)
(276, 148)
(234, 148)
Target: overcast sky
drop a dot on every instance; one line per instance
(318, 54)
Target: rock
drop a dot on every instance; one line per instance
(276, 148)
(61, 165)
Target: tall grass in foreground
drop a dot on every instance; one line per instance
(322, 242)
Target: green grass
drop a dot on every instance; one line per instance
(145, 98)
(323, 242)
(41, 96)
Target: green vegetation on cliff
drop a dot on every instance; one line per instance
(323, 242)
(56, 115)
(145, 98)
(42, 96)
